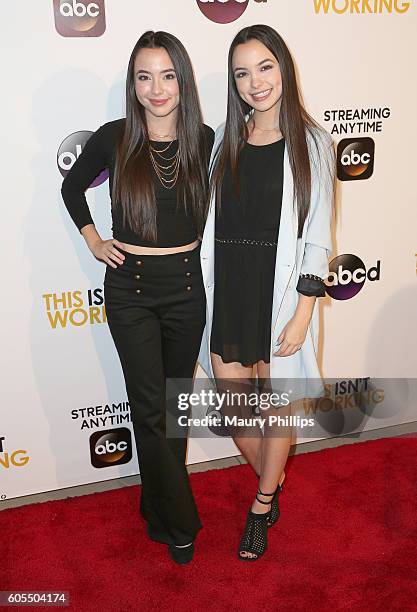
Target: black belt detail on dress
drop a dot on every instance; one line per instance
(245, 241)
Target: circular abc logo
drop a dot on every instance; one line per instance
(347, 276)
(222, 11)
(111, 447)
(79, 17)
(70, 150)
(355, 159)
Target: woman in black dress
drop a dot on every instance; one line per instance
(265, 121)
(158, 161)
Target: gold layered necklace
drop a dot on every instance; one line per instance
(162, 135)
(167, 174)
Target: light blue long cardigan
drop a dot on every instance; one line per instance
(308, 254)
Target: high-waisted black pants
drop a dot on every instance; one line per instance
(155, 307)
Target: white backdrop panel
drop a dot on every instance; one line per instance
(60, 85)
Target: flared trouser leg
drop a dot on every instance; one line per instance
(157, 334)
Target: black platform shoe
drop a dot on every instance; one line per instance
(181, 554)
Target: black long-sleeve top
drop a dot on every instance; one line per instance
(174, 226)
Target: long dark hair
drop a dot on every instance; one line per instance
(293, 122)
(133, 187)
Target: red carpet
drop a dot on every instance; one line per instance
(346, 540)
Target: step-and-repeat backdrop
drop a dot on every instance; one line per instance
(64, 413)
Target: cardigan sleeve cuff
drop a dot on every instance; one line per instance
(311, 285)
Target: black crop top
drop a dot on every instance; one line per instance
(174, 226)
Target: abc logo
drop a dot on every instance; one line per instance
(223, 11)
(355, 159)
(347, 275)
(70, 150)
(79, 17)
(111, 447)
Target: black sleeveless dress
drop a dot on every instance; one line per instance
(246, 237)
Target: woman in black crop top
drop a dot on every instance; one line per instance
(154, 295)
(269, 220)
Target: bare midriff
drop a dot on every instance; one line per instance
(140, 250)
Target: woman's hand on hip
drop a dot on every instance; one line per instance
(105, 250)
(292, 337)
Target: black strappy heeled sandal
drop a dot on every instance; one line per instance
(274, 513)
(254, 539)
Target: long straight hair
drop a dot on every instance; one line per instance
(133, 186)
(293, 122)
